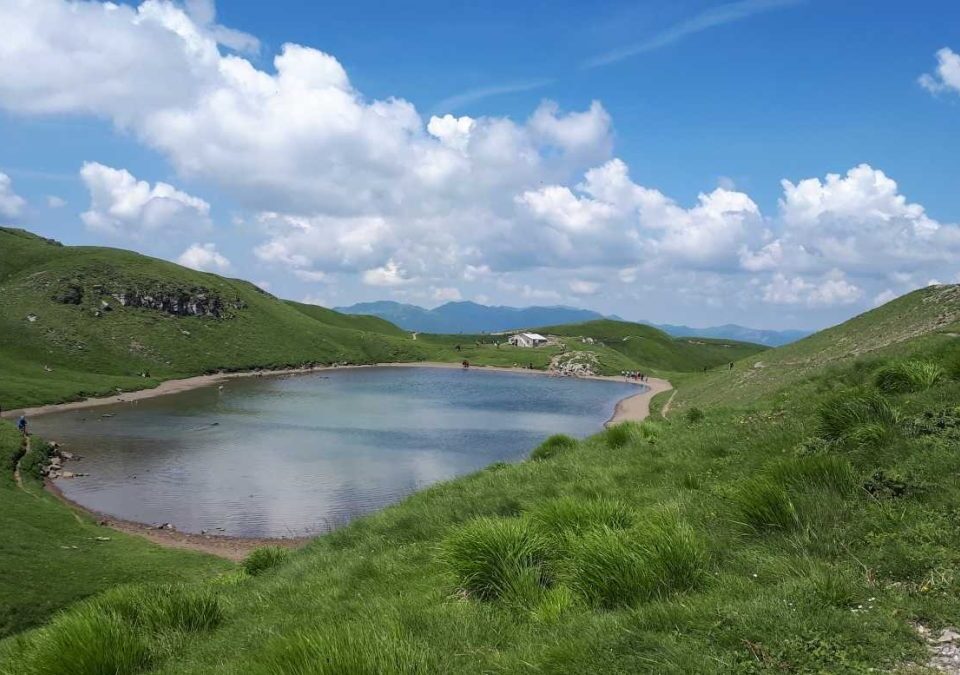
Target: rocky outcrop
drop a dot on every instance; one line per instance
(169, 299)
(179, 302)
(53, 468)
(575, 364)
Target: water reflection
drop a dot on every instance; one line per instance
(289, 456)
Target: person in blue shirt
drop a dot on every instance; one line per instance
(22, 425)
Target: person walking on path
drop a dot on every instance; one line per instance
(22, 425)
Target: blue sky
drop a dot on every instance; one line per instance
(323, 199)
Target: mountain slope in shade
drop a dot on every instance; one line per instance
(731, 331)
(471, 317)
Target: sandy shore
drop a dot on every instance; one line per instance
(224, 546)
(632, 408)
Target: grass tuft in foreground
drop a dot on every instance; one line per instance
(906, 377)
(264, 559)
(491, 557)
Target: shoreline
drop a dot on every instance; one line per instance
(635, 407)
(221, 545)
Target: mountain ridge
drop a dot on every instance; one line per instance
(472, 317)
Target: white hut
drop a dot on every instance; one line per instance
(528, 340)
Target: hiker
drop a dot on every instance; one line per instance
(22, 425)
(731, 365)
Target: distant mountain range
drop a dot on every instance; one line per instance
(471, 317)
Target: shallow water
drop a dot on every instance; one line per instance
(287, 456)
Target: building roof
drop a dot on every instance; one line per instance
(534, 336)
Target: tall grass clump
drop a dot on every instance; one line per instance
(331, 650)
(265, 558)
(764, 505)
(552, 447)
(495, 557)
(572, 516)
(694, 415)
(87, 640)
(618, 435)
(612, 568)
(858, 419)
(824, 472)
(908, 376)
(157, 608)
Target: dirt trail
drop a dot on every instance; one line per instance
(17, 476)
(666, 406)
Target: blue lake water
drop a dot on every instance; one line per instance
(288, 456)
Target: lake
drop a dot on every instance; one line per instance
(289, 456)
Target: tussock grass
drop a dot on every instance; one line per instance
(694, 415)
(156, 608)
(493, 557)
(825, 472)
(571, 516)
(264, 559)
(121, 632)
(87, 640)
(619, 435)
(612, 568)
(553, 446)
(763, 504)
(349, 650)
(857, 419)
(906, 377)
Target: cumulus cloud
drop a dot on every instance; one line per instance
(858, 222)
(946, 77)
(55, 202)
(122, 205)
(389, 274)
(338, 183)
(582, 287)
(833, 289)
(11, 204)
(204, 257)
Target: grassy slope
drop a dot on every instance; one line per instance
(50, 559)
(928, 314)
(794, 553)
(655, 348)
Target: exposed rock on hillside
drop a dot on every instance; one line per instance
(178, 301)
(575, 364)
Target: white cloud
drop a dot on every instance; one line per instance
(204, 257)
(858, 222)
(389, 274)
(343, 185)
(122, 205)
(947, 75)
(884, 297)
(833, 289)
(582, 287)
(11, 204)
(311, 275)
(447, 294)
(55, 202)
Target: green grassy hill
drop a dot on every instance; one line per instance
(929, 316)
(808, 527)
(656, 349)
(78, 321)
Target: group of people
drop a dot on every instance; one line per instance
(634, 375)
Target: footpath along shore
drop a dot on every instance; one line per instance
(635, 407)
